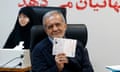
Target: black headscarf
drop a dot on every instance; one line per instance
(20, 33)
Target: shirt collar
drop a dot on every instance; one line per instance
(51, 39)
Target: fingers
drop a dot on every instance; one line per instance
(61, 58)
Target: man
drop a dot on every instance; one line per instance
(42, 59)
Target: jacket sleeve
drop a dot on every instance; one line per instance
(86, 64)
(39, 63)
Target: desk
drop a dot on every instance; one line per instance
(15, 69)
(10, 60)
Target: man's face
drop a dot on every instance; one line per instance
(55, 27)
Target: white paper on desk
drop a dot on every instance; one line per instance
(63, 45)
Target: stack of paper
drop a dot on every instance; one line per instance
(114, 68)
(62, 45)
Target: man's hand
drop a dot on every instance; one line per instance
(61, 59)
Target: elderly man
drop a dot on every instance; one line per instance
(42, 59)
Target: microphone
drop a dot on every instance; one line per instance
(19, 57)
(19, 64)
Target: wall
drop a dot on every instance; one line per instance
(102, 23)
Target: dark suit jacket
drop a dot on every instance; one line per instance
(43, 61)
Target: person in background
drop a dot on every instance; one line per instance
(42, 59)
(21, 31)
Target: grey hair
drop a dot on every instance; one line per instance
(48, 14)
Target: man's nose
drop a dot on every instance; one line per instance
(55, 28)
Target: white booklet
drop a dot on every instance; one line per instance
(63, 45)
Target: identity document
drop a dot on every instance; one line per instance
(63, 45)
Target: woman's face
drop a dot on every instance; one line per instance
(23, 20)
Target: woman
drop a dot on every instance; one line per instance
(21, 31)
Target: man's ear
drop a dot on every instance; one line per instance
(65, 26)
